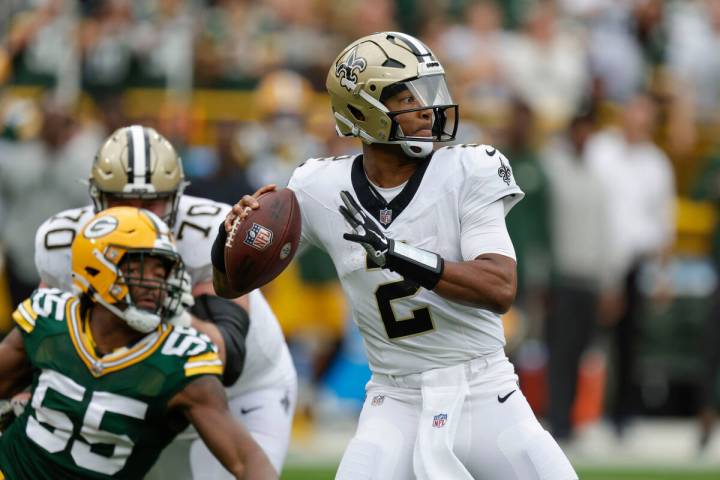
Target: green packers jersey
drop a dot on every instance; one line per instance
(96, 417)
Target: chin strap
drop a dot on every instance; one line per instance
(417, 149)
(137, 319)
(411, 148)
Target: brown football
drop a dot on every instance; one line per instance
(260, 246)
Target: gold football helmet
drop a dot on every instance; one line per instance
(137, 162)
(117, 235)
(377, 67)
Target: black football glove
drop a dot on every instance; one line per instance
(423, 267)
(367, 233)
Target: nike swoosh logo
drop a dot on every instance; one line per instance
(502, 399)
(245, 411)
(490, 152)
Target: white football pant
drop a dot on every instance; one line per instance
(470, 421)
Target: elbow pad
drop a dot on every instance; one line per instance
(233, 322)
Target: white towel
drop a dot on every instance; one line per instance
(443, 394)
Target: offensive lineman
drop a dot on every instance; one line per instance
(136, 166)
(112, 381)
(428, 269)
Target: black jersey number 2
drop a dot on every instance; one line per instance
(420, 322)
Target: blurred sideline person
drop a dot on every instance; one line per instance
(43, 148)
(580, 236)
(639, 184)
(136, 166)
(112, 381)
(428, 269)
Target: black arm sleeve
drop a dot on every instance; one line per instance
(217, 254)
(233, 322)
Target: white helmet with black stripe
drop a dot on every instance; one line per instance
(137, 162)
(378, 66)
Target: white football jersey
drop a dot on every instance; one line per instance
(196, 225)
(408, 329)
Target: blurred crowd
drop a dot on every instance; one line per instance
(608, 111)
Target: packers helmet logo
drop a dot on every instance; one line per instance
(347, 70)
(100, 227)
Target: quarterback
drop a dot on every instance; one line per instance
(112, 381)
(428, 268)
(136, 166)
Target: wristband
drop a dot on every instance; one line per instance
(415, 264)
(217, 253)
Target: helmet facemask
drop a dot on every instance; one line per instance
(133, 274)
(376, 68)
(140, 313)
(429, 94)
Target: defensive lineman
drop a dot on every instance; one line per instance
(112, 381)
(428, 268)
(137, 166)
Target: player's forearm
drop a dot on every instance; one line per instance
(256, 467)
(488, 282)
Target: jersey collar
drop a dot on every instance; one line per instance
(385, 212)
(99, 366)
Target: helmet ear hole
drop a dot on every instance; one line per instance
(356, 113)
(92, 271)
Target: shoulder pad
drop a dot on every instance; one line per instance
(484, 161)
(306, 171)
(198, 351)
(43, 303)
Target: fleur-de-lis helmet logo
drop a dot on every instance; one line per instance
(347, 70)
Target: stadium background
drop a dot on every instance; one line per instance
(237, 86)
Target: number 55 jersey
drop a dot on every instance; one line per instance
(97, 417)
(454, 204)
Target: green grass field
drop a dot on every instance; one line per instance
(310, 473)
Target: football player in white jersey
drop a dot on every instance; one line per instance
(428, 268)
(136, 166)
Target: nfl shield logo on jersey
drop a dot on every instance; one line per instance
(385, 216)
(439, 420)
(258, 237)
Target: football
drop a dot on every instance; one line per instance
(261, 245)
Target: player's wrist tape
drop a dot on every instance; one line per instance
(217, 253)
(415, 264)
(233, 322)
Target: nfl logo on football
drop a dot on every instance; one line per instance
(439, 420)
(385, 216)
(258, 237)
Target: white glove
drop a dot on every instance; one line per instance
(180, 281)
